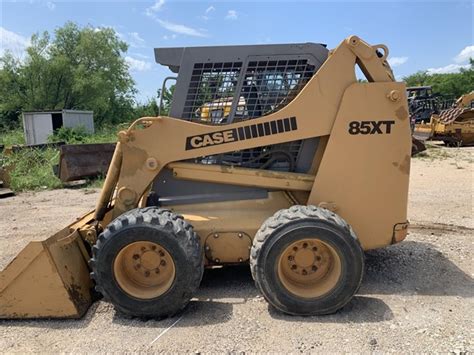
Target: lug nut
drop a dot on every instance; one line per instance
(157, 271)
(318, 258)
(147, 273)
(304, 272)
(290, 257)
(295, 248)
(143, 248)
(293, 267)
(163, 263)
(161, 253)
(153, 247)
(305, 245)
(136, 256)
(315, 249)
(314, 268)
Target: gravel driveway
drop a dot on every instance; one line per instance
(416, 296)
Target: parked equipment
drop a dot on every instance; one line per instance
(455, 126)
(312, 171)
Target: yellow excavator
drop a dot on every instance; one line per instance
(297, 190)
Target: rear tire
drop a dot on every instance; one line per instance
(307, 261)
(148, 262)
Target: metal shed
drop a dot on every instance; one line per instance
(38, 125)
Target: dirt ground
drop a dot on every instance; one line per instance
(416, 296)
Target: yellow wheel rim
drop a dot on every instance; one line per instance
(309, 268)
(144, 270)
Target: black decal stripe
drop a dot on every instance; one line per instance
(280, 126)
(274, 127)
(254, 131)
(293, 123)
(248, 135)
(266, 126)
(257, 130)
(241, 134)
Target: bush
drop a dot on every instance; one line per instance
(13, 137)
(69, 135)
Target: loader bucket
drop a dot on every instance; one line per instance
(48, 279)
(79, 161)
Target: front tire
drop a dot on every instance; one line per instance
(148, 262)
(307, 261)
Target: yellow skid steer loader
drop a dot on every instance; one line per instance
(297, 185)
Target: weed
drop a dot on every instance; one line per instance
(32, 169)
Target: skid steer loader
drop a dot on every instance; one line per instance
(310, 173)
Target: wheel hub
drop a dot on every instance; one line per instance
(144, 269)
(305, 258)
(149, 259)
(309, 267)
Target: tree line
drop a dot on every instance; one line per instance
(84, 68)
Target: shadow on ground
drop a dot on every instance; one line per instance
(414, 268)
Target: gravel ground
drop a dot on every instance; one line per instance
(416, 296)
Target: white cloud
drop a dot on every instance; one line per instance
(173, 36)
(180, 29)
(450, 68)
(171, 26)
(461, 62)
(157, 6)
(137, 64)
(210, 9)
(465, 54)
(231, 15)
(12, 42)
(139, 55)
(397, 61)
(135, 40)
(51, 5)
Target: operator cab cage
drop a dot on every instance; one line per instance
(224, 84)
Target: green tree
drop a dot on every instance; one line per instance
(450, 85)
(81, 68)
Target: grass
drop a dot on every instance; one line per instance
(12, 137)
(432, 153)
(32, 169)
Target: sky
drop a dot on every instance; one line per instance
(436, 36)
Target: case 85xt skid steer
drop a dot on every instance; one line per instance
(306, 170)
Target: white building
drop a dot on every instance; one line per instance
(39, 125)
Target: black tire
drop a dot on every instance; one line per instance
(158, 226)
(287, 227)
